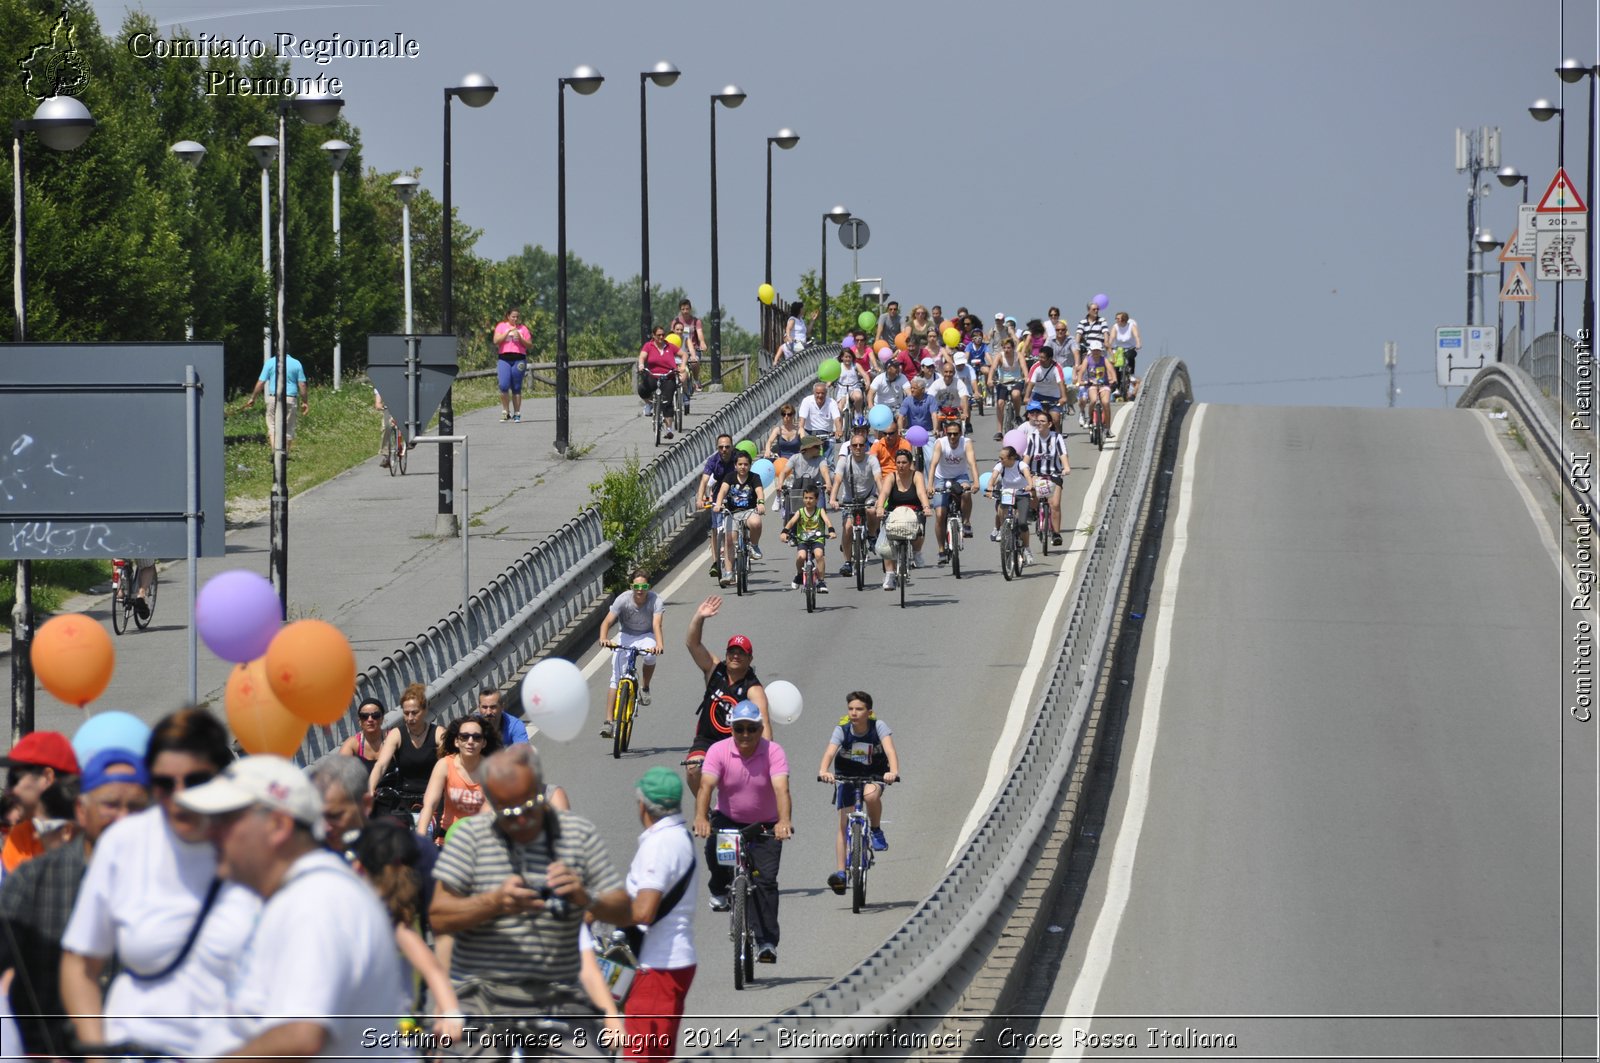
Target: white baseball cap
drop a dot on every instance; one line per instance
(263, 779)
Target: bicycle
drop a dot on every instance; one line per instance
(808, 571)
(394, 448)
(739, 539)
(625, 699)
(1097, 420)
(1046, 518)
(124, 595)
(902, 557)
(857, 837)
(732, 851)
(680, 400)
(953, 526)
(1010, 552)
(657, 414)
(856, 514)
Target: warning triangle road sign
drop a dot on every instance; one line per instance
(1509, 252)
(1561, 197)
(1517, 289)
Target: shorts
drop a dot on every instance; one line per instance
(290, 419)
(510, 373)
(1004, 388)
(1051, 404)
(941, 498)
(844, 795)
(626, 639)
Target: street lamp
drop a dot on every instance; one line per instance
(1510, 177)
(475, 90)
(584, 81)
(1571, 72)
(62, 124)
(405, 186)
(265, 150)
(1485, 242)
(838, 215)
(1543, 110)
(315, 108)
(786, 139)
(190, 152)
(730, 97)
(663, 74)
(337, 151)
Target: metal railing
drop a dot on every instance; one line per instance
(1551, 361)
(931, 955)
(1554, 437)
(526, 606)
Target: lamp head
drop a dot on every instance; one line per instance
(190, 151)
(663, 73)
(475, 90)
(1543, 110)
(1485, 240)
(317, 108)
(63, 123)
(1571, 71)
(337, 151)
(1510, 175)
(265, 149)
(837, 214)
(584, 80)
(405, 186)
(786, 138)
(730, 97)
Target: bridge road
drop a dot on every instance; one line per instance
(1340, 794)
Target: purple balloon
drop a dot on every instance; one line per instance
(1017, 440)
(237, 614)
(917, 436)
(849, 343)
(1102, 301)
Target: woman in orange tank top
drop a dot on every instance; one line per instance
(455, 789)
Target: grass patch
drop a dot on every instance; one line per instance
(53, 583)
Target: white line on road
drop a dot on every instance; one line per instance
(1097, 956)
(1000, 760)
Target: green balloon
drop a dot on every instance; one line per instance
(868, 320)
(829, 370)
(747, 447)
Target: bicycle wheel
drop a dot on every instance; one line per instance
(905, 569)
(1008, 549)
(858, 866)
(622, 725)
(858, 558)
(953, 540)
(739, 929)
(741, 565)
(809, 575)
(121, 601)
(655, 414)
(149, 601)
(388, 452)
(400, 452)
(677, 410)
(1044, 523)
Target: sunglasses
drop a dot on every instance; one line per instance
(522, 811)
(171, 783)
(641, 586)
(740, 651)
(470, 736)
(370, 715)
(746, 728)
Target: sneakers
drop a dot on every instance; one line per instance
(994, 536)
(605, 729)
(141, 608)
(998, 436)
(716, 569)
(1027, 557)
(794, 584)
(888, 582)
(505, 415)
(879, 842)
(944, 557)
(966, 531)
(836, 882)
(516, 418)
(766, 954)
(1055, 538)
(646, 411)
(719, 902)
(847, 570)
(822, 586)
(644, 696)
(917, 560)
(1110, 434)
(383, 463)
(669, 431)
(755, 551)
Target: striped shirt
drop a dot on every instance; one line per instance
(1091, 331)
(1047, 454)
(525, 946)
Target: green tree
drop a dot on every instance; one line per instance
(844, 306)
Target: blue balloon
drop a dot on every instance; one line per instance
(880, 417)
(765, 470)
(983, 481)
(110, 730)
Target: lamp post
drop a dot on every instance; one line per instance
(786, 139)
(316, 108)
(337, 151)
(731, 96)
(405, 186)
(663, 74)
(1485, 242)
(584, 81)
(837, 215)
(190, 152)
(475, 90)
(265, 150)
(63, 124)
(1571, 71)
(1510, 177)
(1542, 111)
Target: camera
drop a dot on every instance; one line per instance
(554, 904)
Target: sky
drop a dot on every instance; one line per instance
(1269, 188)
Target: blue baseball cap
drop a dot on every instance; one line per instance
(745, 710)
(99, 771)
(1034, 404)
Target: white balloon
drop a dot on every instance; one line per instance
(784, 702)
(555, 699)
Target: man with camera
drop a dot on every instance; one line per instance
(514, 884)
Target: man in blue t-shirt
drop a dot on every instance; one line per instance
(296, 390)
(719, 463)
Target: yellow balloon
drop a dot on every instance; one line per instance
(675, 339)
(766, 293)
(952, 338)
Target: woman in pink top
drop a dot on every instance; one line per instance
(512, 339)
(658, 368)
(455, 789)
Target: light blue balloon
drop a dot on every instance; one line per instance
(110, 730)
(983, 481)
(880, 417)
(765, 470)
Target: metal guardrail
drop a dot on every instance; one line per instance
(1555, 438)
(928, 958)
(528, 604)
(1551, 362)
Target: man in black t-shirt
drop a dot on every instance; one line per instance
(728, 682)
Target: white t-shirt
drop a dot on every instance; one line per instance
(666, 851)
(1049, 381)
(816, 418)
(139, 901)
(323, 949)
(949, 394)
(890, 395)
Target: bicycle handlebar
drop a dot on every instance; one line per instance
(879, 779)
(657, 652)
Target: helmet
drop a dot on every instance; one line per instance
(745, 710)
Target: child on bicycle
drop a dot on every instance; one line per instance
(861, 745)
(809, 529)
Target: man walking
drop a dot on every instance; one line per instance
(661, 884)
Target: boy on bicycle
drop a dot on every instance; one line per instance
(809, 529)
(861, 745)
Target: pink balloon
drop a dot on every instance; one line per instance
(1017, 440)
(917, 436)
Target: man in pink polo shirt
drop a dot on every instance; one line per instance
(750, 776)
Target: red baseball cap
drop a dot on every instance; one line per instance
(43, 749)
(741, 642)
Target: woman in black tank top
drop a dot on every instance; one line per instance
(902, 489)
(409, 751)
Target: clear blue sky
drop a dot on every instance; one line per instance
(1268, 188)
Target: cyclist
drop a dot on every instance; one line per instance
(850, 376)
(784, 440)
(805, 469)
(861, 745)
(742, 496)
(808, 528)
(659, 370)
(638, 612)
(1125, 337)
(694, 341)
(1091, 329)
(856, 477)
(903, 488)
(953, 461)
(391, 430)
(856, 412)
(1049, 382)
(728, 682)
(1100, 376)
(951, 397)
(819, 415)
(889, 324)
(1047, 460)
(794, 334)
(1005, 383)
(1011, 472)
(919, 410)
(1067, 359)
(890, 387)
(711, 474)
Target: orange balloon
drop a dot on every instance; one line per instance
(903, 340)
(73, 658)
(881, 345)
(312, 670)
(258, 719)
(779, 465)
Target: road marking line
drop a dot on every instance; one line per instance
(1516, 478)
(1097, 956)
(1039, 655)
(600, 659)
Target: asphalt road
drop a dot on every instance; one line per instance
(1337, 824)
